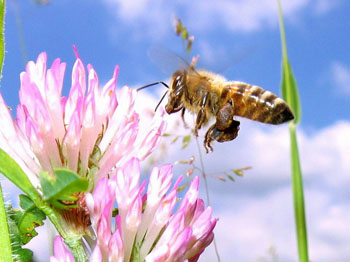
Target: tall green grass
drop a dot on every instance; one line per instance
(291, 96)
(5, 242)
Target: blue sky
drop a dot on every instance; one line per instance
(120, 32)
(110, 32)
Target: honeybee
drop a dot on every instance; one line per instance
(211, 96)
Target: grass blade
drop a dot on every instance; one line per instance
(298, 197)
(291, 96)
(2, 35)
(289, 87)
(5, 243)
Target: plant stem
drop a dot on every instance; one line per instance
(292, 98)
(70, 238)
(207, 192)
(5, 242)
(298, 197)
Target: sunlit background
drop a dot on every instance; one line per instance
(239, 39)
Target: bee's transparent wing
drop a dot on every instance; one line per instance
(167, 61)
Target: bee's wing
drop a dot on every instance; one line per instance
(167, 61)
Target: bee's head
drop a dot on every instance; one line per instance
(177, 86)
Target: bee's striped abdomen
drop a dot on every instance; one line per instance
(258, 104)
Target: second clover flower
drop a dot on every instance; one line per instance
(147, 226)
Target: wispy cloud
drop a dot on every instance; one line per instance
(324, 6)
(154, 17)
(341, 75)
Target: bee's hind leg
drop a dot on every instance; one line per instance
(226, 123)
(225, 128)
(214, 133)
(224, 117)
(201, 116)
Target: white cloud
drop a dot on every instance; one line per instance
(324, 6)
(153, 18)
(341, 76)
(243, 15)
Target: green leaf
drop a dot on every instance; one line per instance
(10, 169)
(230, 177)
(290, 94)
(186, 141)
(27, 219)
(238, 171)
(21, 254)
(5, 241)
(61, 189)
(290, 91)
(298, 197)
(289, 87)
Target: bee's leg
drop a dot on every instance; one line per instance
(225, 128)
(224, 117)
(183, 117)
(209, 137)
(228, 134)
(201, 116)
(224, 122)
(214, 133)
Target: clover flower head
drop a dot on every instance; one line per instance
(148, 225)
(93, 131)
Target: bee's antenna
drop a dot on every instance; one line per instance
(155, 83)
(160, 101)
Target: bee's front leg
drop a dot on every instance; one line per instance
(201, 116)
(183, 117)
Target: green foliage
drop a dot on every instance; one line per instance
(290, 90)
(288, 85)
(181, 30)
(2, 35)
(5, 241)
(18, 236)
(61, 189)
(186, 141)
(290, 94)
(240, 171)
(27, 219)
(10, 169)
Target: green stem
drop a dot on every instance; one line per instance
(298, 197)
(5, 242)
(2, 35)
(71, 239)
(282, 33)
(290, 94)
